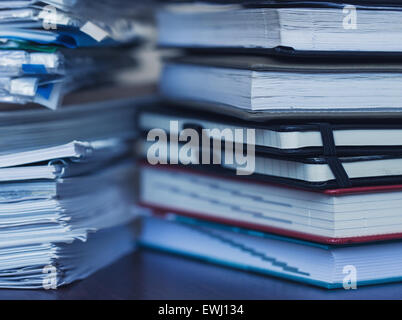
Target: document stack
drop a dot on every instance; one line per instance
(65, 174)
(282, 153)
(50, 48)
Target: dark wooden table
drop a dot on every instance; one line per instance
(153, 275)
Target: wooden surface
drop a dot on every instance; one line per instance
(153, 275)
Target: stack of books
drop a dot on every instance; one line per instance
(66, 168)
(282, 127)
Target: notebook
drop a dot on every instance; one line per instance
(285, 137)
(326, 266)
(336, 216)
(316, 173)
(284, 27)
(284, 88)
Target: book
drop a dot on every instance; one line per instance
(326, 266)
(282, 137)
(319, 173)
(348, 215)
(284, 88)
(314, 195)
(284, 27)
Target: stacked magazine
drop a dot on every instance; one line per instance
(278, 146)
(67, 131)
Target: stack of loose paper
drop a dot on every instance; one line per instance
(64, 203)
(65, 173)
(49, 48)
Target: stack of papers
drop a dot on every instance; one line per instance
(66, 188)
(34, 266)
(277, 146)
(67, 127)
(50, 48)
